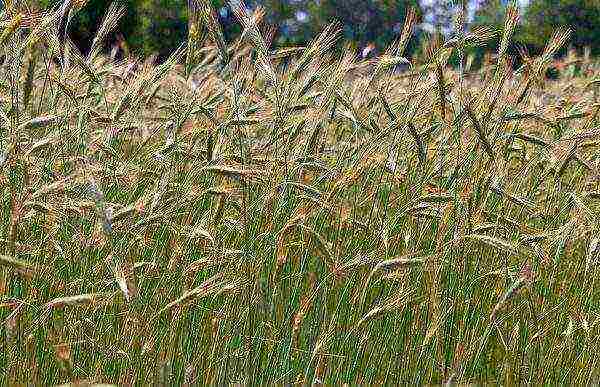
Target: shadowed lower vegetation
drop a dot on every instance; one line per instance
(244, 214)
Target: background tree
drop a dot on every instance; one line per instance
(542, 17)
(363, 21)
(438, 15)
(83, 27)
(159, 26)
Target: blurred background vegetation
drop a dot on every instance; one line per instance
(159, 26)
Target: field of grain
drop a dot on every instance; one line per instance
(245, 214)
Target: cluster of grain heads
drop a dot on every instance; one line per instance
(276, 215)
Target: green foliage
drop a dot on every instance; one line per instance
(544, 16)
(159, 26)
(83, 27)
(376, 21)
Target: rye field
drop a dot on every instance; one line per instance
(245, 214)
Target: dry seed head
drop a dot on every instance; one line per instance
(432, 47)
(250, 22)
(194, 31)
(113, 14)
(479, 35)
(510, 293)
(78, 300)
(441, 88)
(148, 346)
(214, 324)
(398, 48)
(559, 38)
(297, 321)
(140, 205)
(124, 275)
(305, 303)
(526, 272)
(345, 215)
(459, 21)
(78, 4)
(63, 352)
(510, 22)
(281, 252)
(10, 28)
(214, 28)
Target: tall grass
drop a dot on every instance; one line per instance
(262, 215)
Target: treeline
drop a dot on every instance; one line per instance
(541, 17)
(159, 26)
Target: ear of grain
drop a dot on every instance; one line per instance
(64, 17)
(212, 286)
(480, 133)
(10, 29)
(194, 35)
(510, 21)
(507, 296)
(214, 29)
(491, 241)
(90, 299)
(19, 265)
(114, 13)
